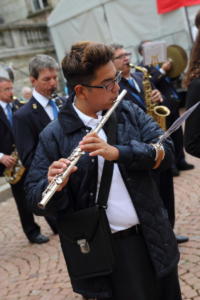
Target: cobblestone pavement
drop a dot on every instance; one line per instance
(38, 272)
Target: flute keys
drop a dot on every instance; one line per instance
(59, 180)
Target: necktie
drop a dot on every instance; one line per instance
(9, 113)
(54, 109)
(131, 82)
(135, 95)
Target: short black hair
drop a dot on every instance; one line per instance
(140, 46)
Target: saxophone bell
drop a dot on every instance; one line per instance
(162, 110)
(158, 112)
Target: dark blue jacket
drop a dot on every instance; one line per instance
(135, 133)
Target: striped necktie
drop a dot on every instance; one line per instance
(54, 108)
(9, 113)
(136, 95)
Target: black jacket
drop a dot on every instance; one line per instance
(192, 128)
(135, 132)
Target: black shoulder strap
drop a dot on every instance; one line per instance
(106, 178)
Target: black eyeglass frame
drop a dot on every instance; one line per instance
(108, 87)
(123, 55)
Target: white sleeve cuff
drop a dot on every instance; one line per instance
(162, 71)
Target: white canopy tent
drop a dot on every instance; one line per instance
(122, 21)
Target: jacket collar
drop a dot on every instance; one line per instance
(68, 117)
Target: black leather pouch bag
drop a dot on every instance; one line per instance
(86, 243)
(85, 234)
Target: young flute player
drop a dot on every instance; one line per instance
(144, 249)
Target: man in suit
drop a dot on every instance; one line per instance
(7, 107)
(40, 110)
(30, 120)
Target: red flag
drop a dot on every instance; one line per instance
(190, 2)
(164, 6)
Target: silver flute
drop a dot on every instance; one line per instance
(74, 158)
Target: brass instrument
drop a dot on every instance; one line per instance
(158, 112)
(160, 53)
(178, 56)
(15, 173)
(74, 158)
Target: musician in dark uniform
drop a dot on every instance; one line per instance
(144, 246)
(30, 120)
(133, 83)
(171, 99)
(7, 107)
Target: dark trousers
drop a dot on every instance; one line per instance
(134, 277)
(165, 185)
(29, 226)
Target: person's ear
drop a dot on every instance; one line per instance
(32, 80)
(81, 91)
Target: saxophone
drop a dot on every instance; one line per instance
(158, 112)
(15, 173)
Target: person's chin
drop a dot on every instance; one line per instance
(48, 95)
(109, 105)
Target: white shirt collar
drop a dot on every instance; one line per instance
(40, 98)
(87, 120)
(4, 104)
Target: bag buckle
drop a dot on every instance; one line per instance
(84, 246)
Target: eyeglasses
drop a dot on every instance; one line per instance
(127, 54)
(108, 86)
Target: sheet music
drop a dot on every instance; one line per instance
(154, 52)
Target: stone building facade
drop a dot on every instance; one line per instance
(23, 34)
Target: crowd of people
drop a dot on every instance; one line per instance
(124, 162)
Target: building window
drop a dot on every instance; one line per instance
(38, 4)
